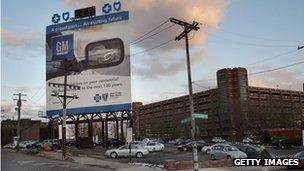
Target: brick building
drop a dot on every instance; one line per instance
(30, 130)
(234, 110)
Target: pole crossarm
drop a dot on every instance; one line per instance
(67, 96)
(182, 23)
(187, 30)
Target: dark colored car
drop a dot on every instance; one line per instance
(188, 146)
(299, 155)
(254, 151)
(182, 140)
(98, 142)
(281, 144)
(71, 142)
(114, 143)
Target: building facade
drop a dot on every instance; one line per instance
(29, 130)
(234, 110)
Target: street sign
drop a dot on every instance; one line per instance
(200, 116)
(129, 135)
(196, 116)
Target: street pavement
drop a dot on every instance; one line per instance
(95, 160)
(13, 161)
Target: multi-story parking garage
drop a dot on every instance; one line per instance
(234, 110)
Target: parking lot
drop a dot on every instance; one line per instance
(169, 153)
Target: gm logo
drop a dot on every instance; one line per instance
(63, 47)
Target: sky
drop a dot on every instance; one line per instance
(257, 35)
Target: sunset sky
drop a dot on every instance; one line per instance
(258, 35)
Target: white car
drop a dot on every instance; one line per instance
(247, 140)
(124, 151)
(218, 140)
(206, 149)
(225, 151)
(153, 146)
(146, 140)
(10, 146)
(23, 144)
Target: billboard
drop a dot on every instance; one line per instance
(97, 52)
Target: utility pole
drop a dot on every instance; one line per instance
(302, 119)
(66, 68)
(187, 29)
(19, 103)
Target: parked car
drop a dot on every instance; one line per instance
(23, 144)
(225, 151)
(247, 140)
(253, 151)
(153, 146)
(71, 142)
(114, 143)
(299, 155)
(10, 146)
(97, 142)
(206, 149)
(183, 141)
(136, 142)
(218, 140)
(123, 151)
(188, 146)
(31, 144)
(146, 140)
(281, 144)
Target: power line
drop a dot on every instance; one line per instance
(155, 28)
(36, 93)
(250, 44)
(275, 69)
(160, 45)
(136, 42)
(273, 57)
(249, 36)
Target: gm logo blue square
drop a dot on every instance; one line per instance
(63, 47)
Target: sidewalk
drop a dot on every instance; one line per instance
(98, 162)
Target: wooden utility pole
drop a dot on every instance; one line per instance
(187, 29)
(19, 103)
(66, 67)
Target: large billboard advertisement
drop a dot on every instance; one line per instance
(98, 56)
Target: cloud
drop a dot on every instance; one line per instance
(7, 106)
(146, 14)
(291, 79)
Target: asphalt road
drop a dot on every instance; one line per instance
(12, 161)
(171, 153)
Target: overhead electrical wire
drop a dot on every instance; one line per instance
(152, 48)
(275, 69)
(147, 33)
(273, 57)
(136, 42)
(248, 36)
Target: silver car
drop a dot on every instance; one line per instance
(225, 151)
(123, 151)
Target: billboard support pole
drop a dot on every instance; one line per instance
(188, 28)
